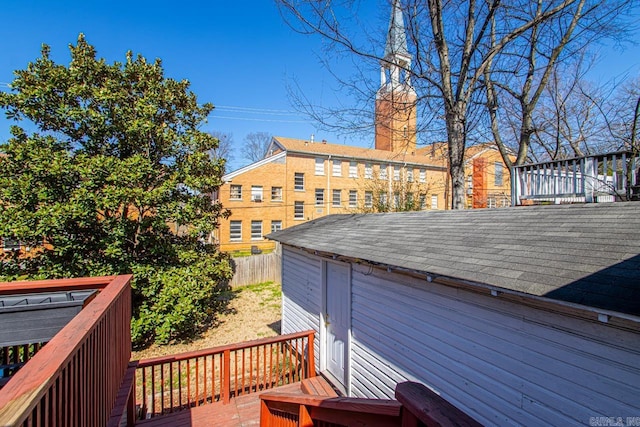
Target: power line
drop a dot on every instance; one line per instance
(261, 110)
(253, 119)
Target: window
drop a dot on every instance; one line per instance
(410, 175)
(423, 175)
(256, 193)
(353, 169)
(410, 201)
(368, 171)
(383, 172)
(423, 201)
(235, 231)
(298, 210)
(368, 199)
(337, 168)
(256, 230)
(353, 198)
(383, 199)
(499, 173)
(319, 166)
(298, 181)
(276, 194)
(9, 244)
(319, 196)
(396, 173)
(396, 200)
(336, 199)
(236, 192)
(276, 225)
(434, 202)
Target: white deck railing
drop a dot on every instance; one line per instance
(603, 178)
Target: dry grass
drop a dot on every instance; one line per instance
(253, 312)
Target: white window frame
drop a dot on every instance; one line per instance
(353, 198)
(423, 175)
(256, 193)
(238, 193)
(235, 231)
(368, 171)
(255, 234)
(319, 196)
(298, 176)
(383, 172)
(319, 170)
(368, 199)
(9, 244)
(498, 174)
(410, 175)
(276, 225)
(298, 210)
(336, 169)
(353, 169)
(276, 194)
(396, 173)
(336, 201)
(434, 201)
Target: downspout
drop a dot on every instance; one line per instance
(329, 173)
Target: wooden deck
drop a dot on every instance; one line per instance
(243, 411)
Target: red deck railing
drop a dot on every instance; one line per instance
(74, 379)
(415, 406)
(170, 383)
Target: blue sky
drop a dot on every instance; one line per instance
(239, 55)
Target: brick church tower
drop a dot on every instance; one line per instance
(395, 114)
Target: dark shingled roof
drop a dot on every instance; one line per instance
(586, 254)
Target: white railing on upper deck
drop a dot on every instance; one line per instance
(602, 178)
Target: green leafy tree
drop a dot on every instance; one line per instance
(115, 166)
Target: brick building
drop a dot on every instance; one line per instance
(302, 180)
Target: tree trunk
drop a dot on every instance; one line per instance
(457, 143)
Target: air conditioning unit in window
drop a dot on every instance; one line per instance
(256, 198)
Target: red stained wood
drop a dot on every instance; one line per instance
(429, 408)
(57, 381)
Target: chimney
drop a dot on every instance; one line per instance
(324, 141)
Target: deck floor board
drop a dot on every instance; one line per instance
(242, 411)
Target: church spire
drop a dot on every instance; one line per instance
(396, 98)
(396, 47)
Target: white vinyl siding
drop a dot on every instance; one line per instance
(319, 166)
(501, 362)
(301, 305)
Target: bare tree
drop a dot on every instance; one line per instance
(518, 77)
(453, 43)
(255, 146)
(384, 194)
(224, 150)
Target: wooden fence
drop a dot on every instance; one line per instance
(257, 269)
